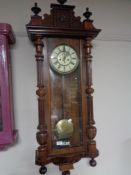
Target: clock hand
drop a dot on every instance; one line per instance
(64, 49)
(64, 58)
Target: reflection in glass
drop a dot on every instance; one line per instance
(1, 125)
(66, 109)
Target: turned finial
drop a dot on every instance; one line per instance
(36, 10)
(87, 14)
(62, 1)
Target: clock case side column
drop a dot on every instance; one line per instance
(92, 152)
(42, 151)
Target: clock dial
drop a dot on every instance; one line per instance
(64, 59)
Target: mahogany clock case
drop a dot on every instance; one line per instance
(64, 92)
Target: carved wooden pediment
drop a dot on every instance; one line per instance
(61, 20)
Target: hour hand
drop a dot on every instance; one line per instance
(64, 49)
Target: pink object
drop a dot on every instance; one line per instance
(7, 132)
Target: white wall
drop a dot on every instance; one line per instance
(112, 97)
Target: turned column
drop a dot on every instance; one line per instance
(92, 152)
(41, 153)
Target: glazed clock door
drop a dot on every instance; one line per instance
(65, 93)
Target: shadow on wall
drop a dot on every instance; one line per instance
(126, 157)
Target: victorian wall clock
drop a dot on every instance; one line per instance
(66, 128)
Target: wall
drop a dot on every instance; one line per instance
(112, 97)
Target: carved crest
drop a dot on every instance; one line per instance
(61, 22)
(62, 16)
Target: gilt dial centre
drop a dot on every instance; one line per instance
(64, 58)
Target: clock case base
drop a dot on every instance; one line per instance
(62, 23)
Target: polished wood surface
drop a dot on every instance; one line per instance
(62, 27)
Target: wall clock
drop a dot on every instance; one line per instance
(66, 128)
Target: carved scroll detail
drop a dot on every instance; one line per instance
(62, 16)
(92, 152)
